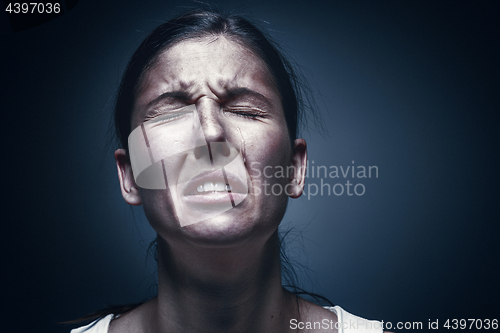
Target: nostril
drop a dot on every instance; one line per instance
(223, 149)
(200, 151)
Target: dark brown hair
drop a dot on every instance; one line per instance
(203, 23)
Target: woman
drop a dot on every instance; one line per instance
(207, 116)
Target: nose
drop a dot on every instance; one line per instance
(213, 150)
(213, 130)
(209, 113)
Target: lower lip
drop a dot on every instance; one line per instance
(214, 198)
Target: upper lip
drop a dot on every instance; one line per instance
(236, 183)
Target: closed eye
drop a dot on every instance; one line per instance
(165, 117)
(246, 112)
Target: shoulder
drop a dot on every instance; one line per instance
(98, 326)
(136, 320)
(348, 322)
(313, 318)
(130, 321)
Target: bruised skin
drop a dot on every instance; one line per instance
(230, 261)
(207, 73)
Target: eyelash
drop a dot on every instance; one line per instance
(247, 113)
(166, 117)
(241, 112)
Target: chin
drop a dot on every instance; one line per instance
(227, 229)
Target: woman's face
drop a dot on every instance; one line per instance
(237, 112)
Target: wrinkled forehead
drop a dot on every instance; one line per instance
(208, 66)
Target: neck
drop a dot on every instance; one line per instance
(236, 289)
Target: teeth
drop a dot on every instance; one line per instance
(208, 186)
(213, 187)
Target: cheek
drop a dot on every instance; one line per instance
(271, 150)
(269, 159)
(157, 205)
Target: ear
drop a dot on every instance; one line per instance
(299, 162)
(130, 191)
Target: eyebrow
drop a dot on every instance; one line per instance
(179, 94)
(229, 94)
(236, 92)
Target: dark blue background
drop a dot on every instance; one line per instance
(411, 87)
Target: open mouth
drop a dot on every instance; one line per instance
(210, 187)
(218, 181)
